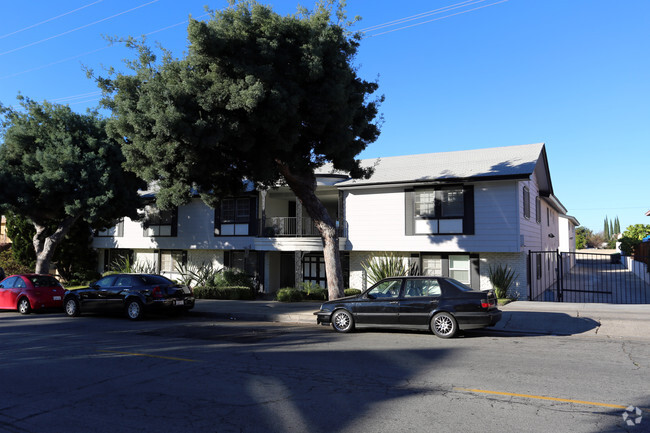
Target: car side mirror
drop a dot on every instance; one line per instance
(371, 296)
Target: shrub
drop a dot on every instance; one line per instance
(352, 292)
(501, 278)
(313, 292)
(224, 292)
(289, 294)
(390, 265)
(233, 277)
(11, 265)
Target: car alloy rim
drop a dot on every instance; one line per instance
(70, 307)
(443, 324)
(342, 321)
(22, 307)
(134, 310)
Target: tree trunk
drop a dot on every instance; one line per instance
(304, 187)
(45, 246)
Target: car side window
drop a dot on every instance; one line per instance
(19, 284)
(414, 288)
(8, 283)
(386, 289)
(106, 281)
(124, 280)
(432, 288)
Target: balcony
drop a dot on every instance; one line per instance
(290, 227)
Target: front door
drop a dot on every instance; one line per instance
(380, 305)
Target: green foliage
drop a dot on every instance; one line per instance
(387, 265)
(224, 292)
(352, 292)
(204, 275)
(289, 294)
(21, 232)
(501, 278)
(632, 237)
(123, 265)
(10, 265)
(233, 277)
(58, 167)
(313, 292)
(582, 235)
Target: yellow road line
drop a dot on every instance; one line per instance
(541, 397)
(149, 356)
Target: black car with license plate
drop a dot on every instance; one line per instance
(440, 304)
(133, 294)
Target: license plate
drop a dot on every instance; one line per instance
(179, 302)
(56, 298)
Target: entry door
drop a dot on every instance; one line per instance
(380, 305)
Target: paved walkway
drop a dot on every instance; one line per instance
(526, 317)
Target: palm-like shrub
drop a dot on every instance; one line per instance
(387, 265)
(501, 278)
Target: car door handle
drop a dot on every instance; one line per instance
(394, 302)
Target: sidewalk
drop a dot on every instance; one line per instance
(545, 318)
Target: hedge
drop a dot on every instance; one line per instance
(226, 292)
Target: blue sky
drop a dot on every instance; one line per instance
(475, 74)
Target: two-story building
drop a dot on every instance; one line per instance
(452, 213)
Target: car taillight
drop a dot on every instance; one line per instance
(157, 292)
(486, 303)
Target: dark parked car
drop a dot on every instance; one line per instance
(132, 293)
(30, 292)
(442, 305)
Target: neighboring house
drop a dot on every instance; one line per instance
(453, 213)
(3, 231)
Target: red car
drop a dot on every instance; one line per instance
(30, 292)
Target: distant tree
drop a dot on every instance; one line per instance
(606, 231)
(21, 232)
(58, 167)
(582, 235)
(259, 97)
(596, 240)
(617, 226)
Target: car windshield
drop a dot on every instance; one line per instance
(43, 281)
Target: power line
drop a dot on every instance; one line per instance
(78, 28)
(50, 19)
(437, 19)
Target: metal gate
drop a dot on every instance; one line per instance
(587, 277)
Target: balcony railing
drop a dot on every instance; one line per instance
(289, 227)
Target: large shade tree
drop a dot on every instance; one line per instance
(58, 167)
(258, 96)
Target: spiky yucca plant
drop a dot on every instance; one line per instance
(501, 278)
(387, 265)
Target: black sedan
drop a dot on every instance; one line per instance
(133, 294)
(442, 305)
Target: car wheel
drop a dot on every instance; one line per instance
(72, 307)
(134, 309)
(23, 306)
(342, 321)
(444, 325)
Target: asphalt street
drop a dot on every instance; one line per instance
(201, 374)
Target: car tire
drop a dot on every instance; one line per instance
(134, 309)
(342, 321)
(444, 325)
(23, 306)
(71, 307)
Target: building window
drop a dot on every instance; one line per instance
(117, 231)
(235, 217)
(538, 210)
(440, 211)
(115, 259)
(313, 270)
(526, 203)
(172, 260)
(548, 216)
(459, 268)
(245, 261)
(160, 223)
(431, 265)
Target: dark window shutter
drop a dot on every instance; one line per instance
(474, 271)
(184, 258)
(175, 222)
(252, 221)
(409, 196)
(217, 219)
(468, 214)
